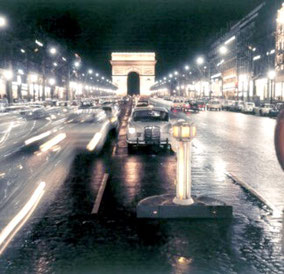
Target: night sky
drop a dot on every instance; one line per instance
(176, 30)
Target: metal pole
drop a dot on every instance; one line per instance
(183, 185)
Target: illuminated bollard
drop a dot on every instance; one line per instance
(182, 204)
(184, 133)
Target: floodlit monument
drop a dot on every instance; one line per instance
(142, 63)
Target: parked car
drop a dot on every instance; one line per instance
(227, 103)
(263, 109)
(216, 105)
(149, 126)
(276, 109)
(237, 106)
(248, 107)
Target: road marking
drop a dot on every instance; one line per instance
(276, 212)
(97, 204)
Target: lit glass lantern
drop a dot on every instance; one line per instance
(184, 132)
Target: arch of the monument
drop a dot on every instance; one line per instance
(133, 83)
(143, 63)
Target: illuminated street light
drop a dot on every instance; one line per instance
(223, 50)
(184, 134)
(77, 64)
(39, 43)
(33, 78)
(97, 74)
(186, 67)
(8, 74)
(55, 64)
(90, 71)
(52, 81)
(20, 71)
(230, 40)
(53, 51)
(3, 22)
(176, 72)
(22, 51)
(271, 74)
(64, 59)
(170, 75)
(200, 60)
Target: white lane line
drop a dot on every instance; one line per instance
(97, 204)
(276, 212)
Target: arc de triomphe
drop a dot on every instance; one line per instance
(143, 63)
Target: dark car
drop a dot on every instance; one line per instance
(276, 109)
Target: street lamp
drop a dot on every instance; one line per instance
(53, 51)
(3, 22)
(20, 71)
(77, 64)
(186, 67)
(90, 71)
(271, 76)
(223, 50)
(8, 74)
(39, 43)
(52, 81)
(200, 60)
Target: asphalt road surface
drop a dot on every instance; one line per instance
(62, 236)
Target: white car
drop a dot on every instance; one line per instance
(248, 107)
(264, 109)
(214, 105)
(149, 126)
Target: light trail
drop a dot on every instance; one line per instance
(20, 219)
(37, 138)
(54, 141)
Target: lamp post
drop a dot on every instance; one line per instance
(8, 75)
(52, 84)
(184, 133)
(33, 79)
(271, 76)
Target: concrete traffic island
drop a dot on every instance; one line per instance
(162, 206)
(183, 205)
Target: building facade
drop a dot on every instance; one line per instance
(242, 60)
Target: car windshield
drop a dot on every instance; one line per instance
(150, 116)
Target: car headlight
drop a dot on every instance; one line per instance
(131, 130)
(113, 119)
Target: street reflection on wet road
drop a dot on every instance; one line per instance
(63, 237)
